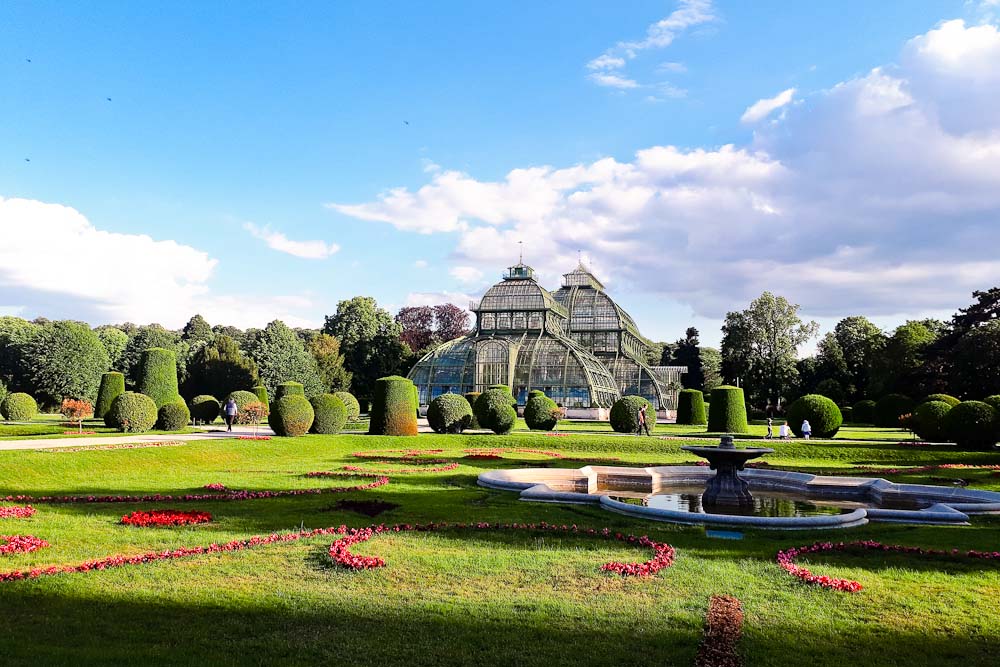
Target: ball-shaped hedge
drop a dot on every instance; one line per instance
(261, 392)
(291, 416)
(729, 411)
(993, 401)
(864, 412)
(205, 408)
(541, 413)
(449, 413)
(329, 414)
(890, 408)
(928, 420)
(493, 410)
(471, 397)
(132, 412)
(173, 416)
(158, 375)
(351, 403)
(112, 386)
(823, 415)
(625, 414)
(505, 388)
(394, 411)
(944, 398)
(19, 407)
(289, 389)
(691, 407)
(972, 425)
(242, 398)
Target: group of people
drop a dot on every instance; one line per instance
(784, 432)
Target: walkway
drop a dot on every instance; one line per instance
(53, 443)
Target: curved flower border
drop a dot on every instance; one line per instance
(156, 518)
(20, 544)
(124, 445)
(387, 471)
(16, 511)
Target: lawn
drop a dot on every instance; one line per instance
(463, 597)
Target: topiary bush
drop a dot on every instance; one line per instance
(823, 414)
(132, 412)
(329, 414)
(471, 397)
(972, 425)
(691, 407)
(944, 398)
(928, 420)
(848, 413)
(729, 411)
(864, 412)
(890, 408)
(112, 386)
(449, 413)
(493, 410)
(242, 398)
(290, 416)
(19, 407)
(261, 392)
(503, 387)
(540, 412)
(289, 389)
(173, 416)
(625, 414)
(393, 409)
(3, 392)
(205, 408)
(351, 404)
(158, 375)
(993, 401)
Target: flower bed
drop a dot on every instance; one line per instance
(16, 511)
(254, 437)
(124, 445)
(215, 486)
(146, 519)
(79, 432)
(20, 544)
(723, 629)
(445, 468)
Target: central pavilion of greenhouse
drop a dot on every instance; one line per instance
(577, 345)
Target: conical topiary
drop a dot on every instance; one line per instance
(112, 386)
(158, 375)
(691, 408)
(729, 411)
(393, 408)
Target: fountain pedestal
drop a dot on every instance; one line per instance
(727, 487)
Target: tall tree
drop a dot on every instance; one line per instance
(417, 323)
(688, 353)
(145, 337)
(325, 349)
(976, 362)
(219, 368)
(898, 366)
(450, 322)
(281, 357)
(66, 360)
(860, 341)
(114, 341)
(197, 330)
(369, 340)
(711, 367)
(15, 333)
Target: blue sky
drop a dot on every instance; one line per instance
(234, 131)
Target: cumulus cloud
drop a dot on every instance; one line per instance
(613, 81)
(466, 274)
(420, 264)
(761, 109)
(277, 241)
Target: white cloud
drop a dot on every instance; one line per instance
(460, 299)
(613, 81)
(679, 68)
(606, 62)
(761, 109)
(466, 274)
(281, 243)
(420, 264)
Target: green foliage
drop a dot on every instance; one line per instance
(625, 414)
(218, 368)
(972, 425)
(449, 413)
(691, 407)
(65, 360)
(711, 367)
(494, 411)
(132, 412)
(282, 357)
(541, 413)
(325, 349)
(15, 334)
(205, 408)
(261, 392)
(993, 401)
(351, 403)
(112, 386)
(141, 339)
(950, 400)
(114, 341)
(848, 413)
(291, 416)
(242, 398)
(975, 361)
(823, 414)
(864, 412)
(890, 408)
(471, 397)
(330, 414)
(289, 389)
(158, 375)
(173, 416)
(897, 366)
(686, 352)
(928, 420)
(369, 341)
(729, 412)
(197, 330)
(3, 391)
(394, 411)
(832, 389)
(860, 341)
(18, 407)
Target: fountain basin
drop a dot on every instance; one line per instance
(727, 488)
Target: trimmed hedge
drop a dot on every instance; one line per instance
(291, 416)
(290, 388)
(471, 398)
(972, 425)
(729, 411)
(691, 407)
(864, 412)
(132, 412)
(928, 420)
(158, 375)
(540, 412)
(261, 392)
(493, 410)
(503, 387)
(848, 413)
(890, 408)
(205, 408)
(19, 407)
(625, 414)
(351, 404)
(944, 398)
(393, 409)
(329, 414)
(449, 413)
(993, 401)
(112, 386)
(242, 398)
(823, 414)
(173, 416)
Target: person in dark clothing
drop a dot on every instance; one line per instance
(229, 412)
(643, 424)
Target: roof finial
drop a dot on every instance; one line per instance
(520, 252)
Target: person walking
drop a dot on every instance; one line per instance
(229, 412)
(770, 430)
(643, 425)
(783, 431)
(806, 429)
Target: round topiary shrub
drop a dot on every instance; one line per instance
(471, 397)
(822, 413)
(329, 414)
(242, 398)
(505, 388)
(351, 404)
(19, 407)
(729, 411)
(993, 401)
(691, 407)
(864, 412)
(205, 408)
(393, 409)
(158, 375)
(261, 392)
(540, 412)
(493, 410)
(173, 416)
(625, 414)
(291, 416)
(289, 389)
(449, 413)
(928, 420)
(890, 408)
(972, 425)
(132, 412)
(944, 398)
(112, 386)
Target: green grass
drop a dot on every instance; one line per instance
(466, 597)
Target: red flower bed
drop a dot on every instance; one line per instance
(79, 433)
(16, 511)
(146, 519)
(20, 544)
(403, 453)
(215, 486)
(124, 445)
(254, 437)
(723, 629)
(483, 457)
(389, 471)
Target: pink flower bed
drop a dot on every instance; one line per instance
(254, 437)
(20, 544)
(124, 445)
(388, 471)
(16, 511)
(150, 518)
(215, 486)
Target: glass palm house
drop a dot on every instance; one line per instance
(577, 345)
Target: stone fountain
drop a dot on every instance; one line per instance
(727, 487)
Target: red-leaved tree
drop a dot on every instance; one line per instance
(76, 411)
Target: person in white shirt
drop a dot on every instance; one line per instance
(783, 431)
(806, 429)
